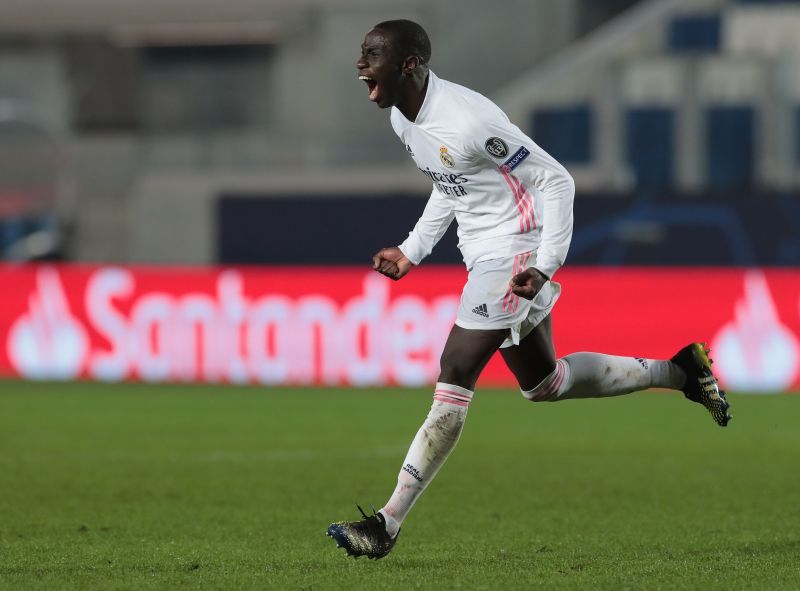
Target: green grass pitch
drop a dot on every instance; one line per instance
(167, 487)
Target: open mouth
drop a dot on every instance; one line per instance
(372, 85)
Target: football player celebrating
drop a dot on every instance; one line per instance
(513, 205)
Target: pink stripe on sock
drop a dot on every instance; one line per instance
(443, 397)
(451, 393)
(557, 380)
(449, 400)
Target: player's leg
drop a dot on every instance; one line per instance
(485, 314)
(465, 354)
(542, 378)
(534, 359)
(582, 375)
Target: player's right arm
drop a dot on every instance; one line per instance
(391, 261)
(396, 261)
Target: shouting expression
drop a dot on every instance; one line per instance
(382, 68)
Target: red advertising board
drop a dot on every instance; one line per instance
(346, 325)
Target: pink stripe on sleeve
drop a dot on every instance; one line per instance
(517, 198)
(525, 203)
(528, 199)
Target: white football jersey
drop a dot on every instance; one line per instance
(507, 195)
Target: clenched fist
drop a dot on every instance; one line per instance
(528, 283)
(391, 262)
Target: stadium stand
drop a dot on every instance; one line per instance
(707, 66)
(162, 119)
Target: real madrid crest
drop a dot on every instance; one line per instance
(446, 158)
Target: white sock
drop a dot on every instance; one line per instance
(434, 441)
(594, 375)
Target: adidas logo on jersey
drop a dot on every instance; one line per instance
(481, 310)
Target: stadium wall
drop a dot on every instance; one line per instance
(347, 325)
(745, 229)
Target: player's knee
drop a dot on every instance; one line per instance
(548, 389)
(456, 371)
(460, 376)
(538, 395)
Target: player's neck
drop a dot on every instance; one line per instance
(413, 97)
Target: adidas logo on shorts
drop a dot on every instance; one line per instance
(481, 310)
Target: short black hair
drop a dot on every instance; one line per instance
(410, 37)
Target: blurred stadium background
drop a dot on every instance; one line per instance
(196, 135)
(191, 191)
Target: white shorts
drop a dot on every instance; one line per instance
(487, 302)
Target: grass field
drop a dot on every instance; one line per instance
(165, 487)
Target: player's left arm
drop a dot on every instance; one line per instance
(534, 167)
(558, 189)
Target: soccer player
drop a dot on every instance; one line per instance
(513, 205)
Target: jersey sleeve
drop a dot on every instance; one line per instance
(504, 145)
(430, 228)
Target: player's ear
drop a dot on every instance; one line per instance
(410, 64)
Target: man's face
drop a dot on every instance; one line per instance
(381, 68)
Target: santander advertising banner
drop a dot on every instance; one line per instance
(350, 326)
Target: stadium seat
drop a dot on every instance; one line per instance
(730, 146)
(649, 135)
(11, 230)
(697, 33)
(797, 135)
(566, 133)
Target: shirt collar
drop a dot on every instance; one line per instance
(427, 102)
(430, 97)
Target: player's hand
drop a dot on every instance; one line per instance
(391, 262)
(528, 283)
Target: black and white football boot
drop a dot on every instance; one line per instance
(701, 386)
(366, 537)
